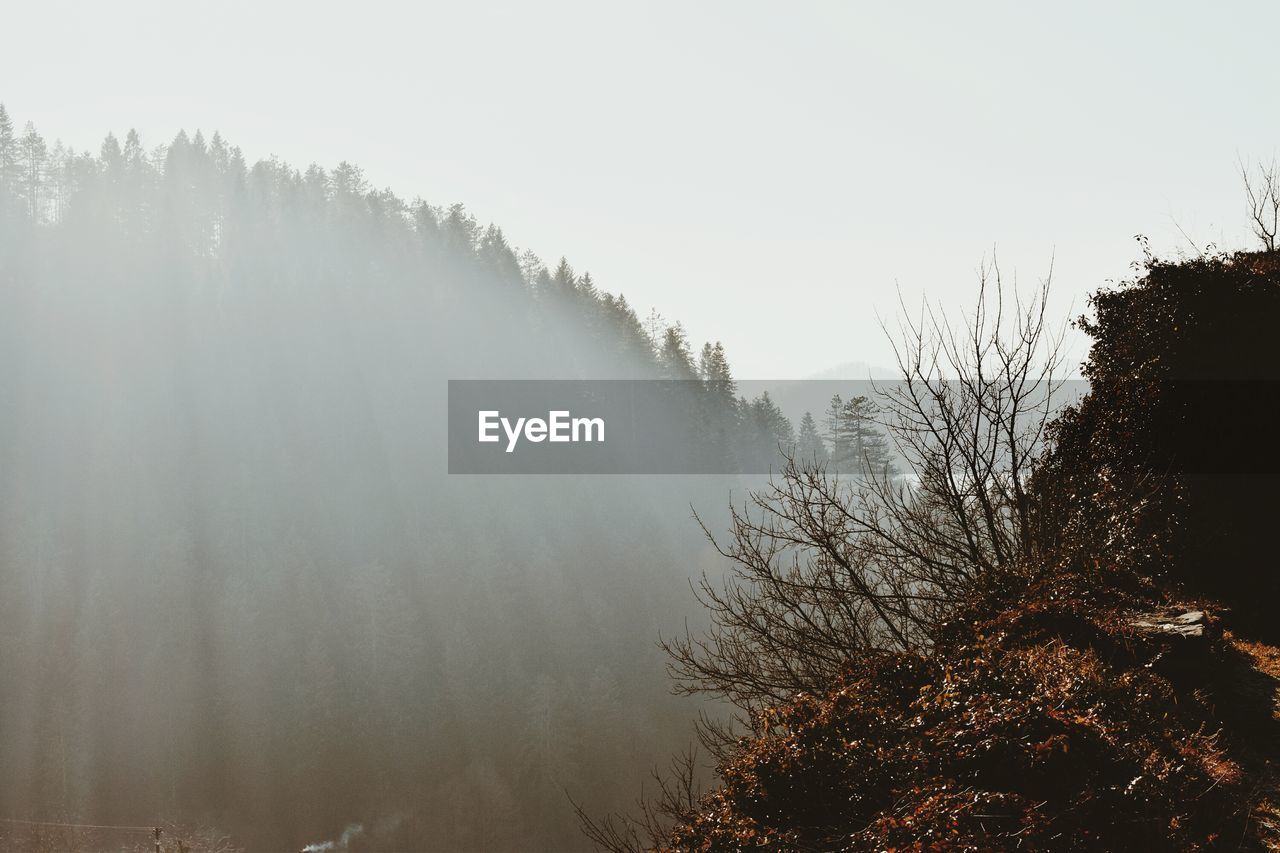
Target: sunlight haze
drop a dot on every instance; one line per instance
(692, 156)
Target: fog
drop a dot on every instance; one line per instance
(238, 587)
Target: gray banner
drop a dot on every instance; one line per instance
(645, 426)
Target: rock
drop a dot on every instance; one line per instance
(1192, 624)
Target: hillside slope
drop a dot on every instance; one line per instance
(238, 587)
(1118, 691)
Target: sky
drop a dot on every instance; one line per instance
(772, 175)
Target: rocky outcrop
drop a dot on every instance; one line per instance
(1190, 625)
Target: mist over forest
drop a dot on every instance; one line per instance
(239, 589)
(248, 601)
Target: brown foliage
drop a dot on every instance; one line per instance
(1182, 409)
(1043, 721)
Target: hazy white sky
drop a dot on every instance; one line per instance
(764, 172)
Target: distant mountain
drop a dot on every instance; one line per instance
(855, 370)
(813, 393)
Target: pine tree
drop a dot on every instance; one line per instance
(865, 448)
(809, 444)
(458, 228)
(34, 157)
(836, 437)
(564, 279)
(60, 179)
(530, 266)
(713, 367)
(675, 359)
(348, 180)
(718, 414)
(496, 254)
(770, 430)
(628, 334)
(8, 151)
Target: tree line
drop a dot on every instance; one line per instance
(204, 194)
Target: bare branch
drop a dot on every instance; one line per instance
(825, 569)
(1263, 193)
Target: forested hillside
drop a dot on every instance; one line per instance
(237, 587)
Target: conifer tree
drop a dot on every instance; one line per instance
(34, 157)
(675, 360)
(628, 335)
(8, 150)
(496, 254)
(458, 228)
(834, 422)
(564, 279)
(809, 444)
(770, 430)
(713, 367)
(864, 447)
(530, 267)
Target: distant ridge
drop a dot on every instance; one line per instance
(855, 370)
